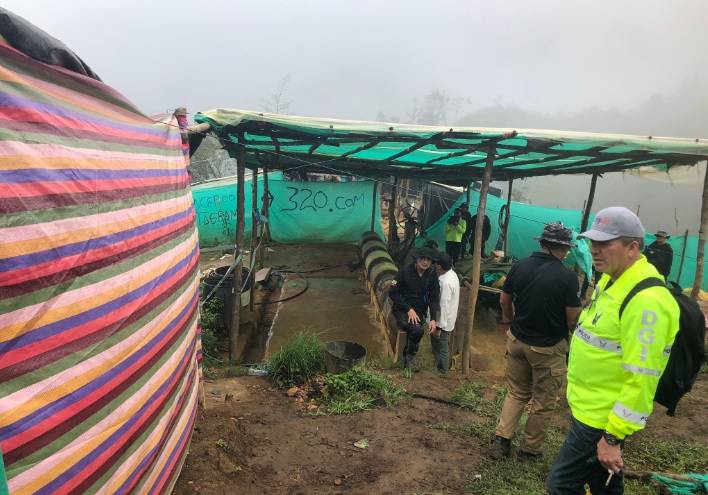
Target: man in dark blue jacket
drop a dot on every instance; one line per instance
(415, 290)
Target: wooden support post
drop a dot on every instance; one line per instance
(392, 223)
(467, 240)
(508, 218)
(588, 206)
(477, 261)
(683, 257)
(254, 234)
(700, 256)
(236, 309)
(373, 206)
(265, 232)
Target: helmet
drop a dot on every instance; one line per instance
(557, 233)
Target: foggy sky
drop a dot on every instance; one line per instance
(352, 59)
(631, 66)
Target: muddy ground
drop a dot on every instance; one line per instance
(254, 439)
(262, 441)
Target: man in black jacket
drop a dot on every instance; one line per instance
(486, 232)
(660, 254)
(414, 290)
(467, 217)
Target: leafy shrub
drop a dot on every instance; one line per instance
(297, 361)
(358, 389)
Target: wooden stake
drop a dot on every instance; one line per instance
(698, 282)
(254, 234)
(683, 256)
(236, 309)
(477, 261)
(392, 224)
(265, 233)
(588, 205)
(373, 206)
(508, 218)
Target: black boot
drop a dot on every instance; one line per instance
(501, 447)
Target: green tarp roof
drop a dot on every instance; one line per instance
(453, 155)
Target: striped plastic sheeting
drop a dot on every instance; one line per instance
(99, 343)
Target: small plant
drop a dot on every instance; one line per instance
(297, 361)
(221, 443)
(212, 313)
(358, 389)
(470, 395)
(210, 346)
(208, 373)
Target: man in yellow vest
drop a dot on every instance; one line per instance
(615, 364)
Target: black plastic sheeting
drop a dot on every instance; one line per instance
(35, 43)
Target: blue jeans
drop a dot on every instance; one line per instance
(440, 345)
(577, 465)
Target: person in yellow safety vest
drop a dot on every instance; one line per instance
(454, 232)
(614, 365)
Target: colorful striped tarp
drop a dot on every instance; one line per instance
(98, 288)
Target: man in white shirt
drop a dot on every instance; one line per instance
(449, 301)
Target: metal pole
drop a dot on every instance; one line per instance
(508, 217)
(588, 205)
(698, 282)
(254, 233)
(236, 300)
(373, 207)
(392, 224)
(683, 256)
(477, 260)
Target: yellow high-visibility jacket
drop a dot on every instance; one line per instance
(615, 366)
(454, 233)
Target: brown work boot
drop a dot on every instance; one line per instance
(501, 447)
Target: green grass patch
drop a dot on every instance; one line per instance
(674, 455)
(297, 361)
(479, 398)
(357, 390)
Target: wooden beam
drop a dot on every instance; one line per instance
(508, 218)
(264, 212)
(254, 233)
(476, 262)
(588, 205)
(700, 255)
(392, 223)
(683, 257)
(236, 308)
(373, 206)
(199, 128)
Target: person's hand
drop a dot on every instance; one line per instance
(610, 456)
(413, 317)
(432, 327)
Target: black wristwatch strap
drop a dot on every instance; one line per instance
(610, 438)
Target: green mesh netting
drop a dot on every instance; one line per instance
(684, 487)
(527, 221)
(300, 212)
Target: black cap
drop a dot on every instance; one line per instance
(557, 233)
(426, 252)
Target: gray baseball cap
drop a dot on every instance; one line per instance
(614, 222)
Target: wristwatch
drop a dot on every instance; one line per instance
(611, 439)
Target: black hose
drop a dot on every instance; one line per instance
(307, 286)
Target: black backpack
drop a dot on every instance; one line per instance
(688, 351)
